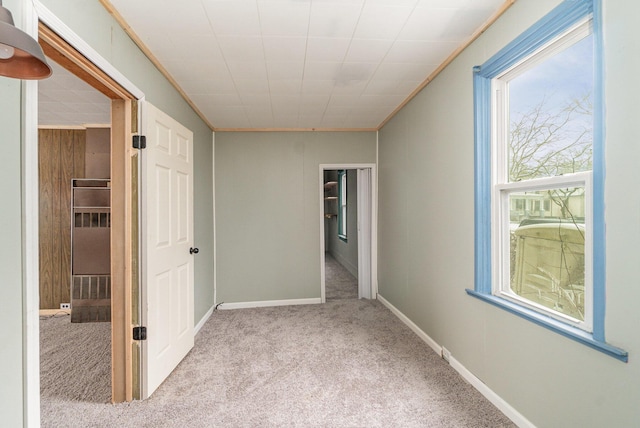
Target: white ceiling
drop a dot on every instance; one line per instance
(300, 63)
(65, 100)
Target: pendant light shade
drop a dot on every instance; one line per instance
(21, 57)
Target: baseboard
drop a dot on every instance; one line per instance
(424, 336)
(203, 320)
(49, 312)
(515, 416)
(350, 267)
(269, 303)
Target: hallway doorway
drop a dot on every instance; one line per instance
(347, 232)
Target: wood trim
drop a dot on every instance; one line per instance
(56, 48)
(52, 312)
(121, 339)
(506, 5)
(147, 52)
(295, 129)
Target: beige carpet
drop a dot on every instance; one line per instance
(75, 360)
(339, 283)
(347, 363)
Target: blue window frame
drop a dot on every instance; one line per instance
(342, 205)
(494, 198)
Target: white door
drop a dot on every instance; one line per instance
(364, 233)
(167, 264)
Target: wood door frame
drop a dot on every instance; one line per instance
(81, 59)
(373, 235)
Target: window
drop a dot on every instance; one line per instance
(342, 205)
(539, 176)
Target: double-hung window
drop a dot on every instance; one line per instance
(539, 176)
(342, 204)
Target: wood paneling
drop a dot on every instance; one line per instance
(61, 158)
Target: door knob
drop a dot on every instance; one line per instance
(193, 250)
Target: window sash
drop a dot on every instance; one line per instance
(500, 242)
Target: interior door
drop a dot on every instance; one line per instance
(364, 233)
(167, 262)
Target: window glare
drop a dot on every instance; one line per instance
(551, 115)
(547, 248)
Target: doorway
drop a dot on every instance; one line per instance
(347, 233)
(74, 139)
(89, 67)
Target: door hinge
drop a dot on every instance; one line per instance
(139, 333)
(139, 142)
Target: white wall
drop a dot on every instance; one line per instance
(426, 247)
(268, 213)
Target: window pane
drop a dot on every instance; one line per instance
(547, 249)
(551, 115)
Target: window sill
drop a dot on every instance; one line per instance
(342, 238)
(553, 325)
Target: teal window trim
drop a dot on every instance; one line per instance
(342, 178)
(559, 20)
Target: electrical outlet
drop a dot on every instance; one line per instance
(65, 305)
(446, 354)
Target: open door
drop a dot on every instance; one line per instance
(167, 253)
(365, 209)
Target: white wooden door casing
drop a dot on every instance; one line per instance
(167, 225)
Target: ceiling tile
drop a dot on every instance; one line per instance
(256, 100)
(421, 52)
(278, 70)
(367, 50)
(203, 47)
(426, 24)
(233, 18)
(381, 21)
(247, 86)
(241, 48)
(285, 86)
(284, 18)
(317, 70)
(334, 19)
(327, 49)
(241, 70)
(355, 72)
(403, 71)
(198, 70)
(209, 86)
(314, 86)
(284, 48)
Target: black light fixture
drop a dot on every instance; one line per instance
(21, 56)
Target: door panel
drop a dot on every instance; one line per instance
(168, 265)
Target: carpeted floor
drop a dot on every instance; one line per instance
(346, 363)
(75, 360)
(339, 283)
